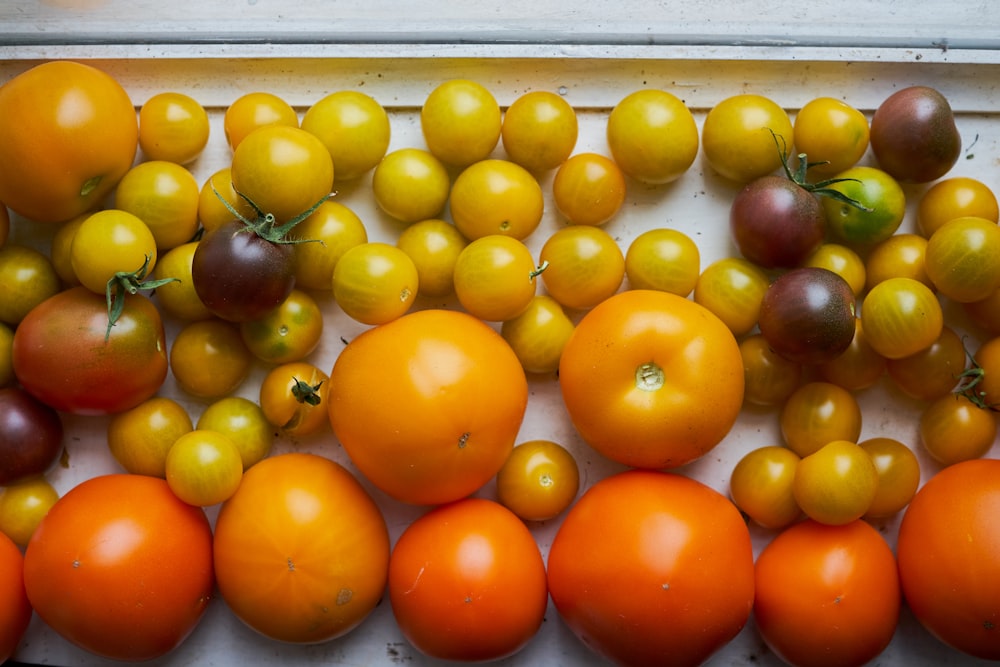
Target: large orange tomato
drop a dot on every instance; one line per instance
(653, 568)
(467, 582)
(827, 595)
(68, 133)
(651, 379)
(121, 567)
(949, 556)
(301, 549)
(15, 610)
(428, 406)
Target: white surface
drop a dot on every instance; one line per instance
(696, 204)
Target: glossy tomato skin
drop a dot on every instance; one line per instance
(121, 567)
(652, 568)
(62, 358)
(776, 223)
(15, 609)
(301, 550)
(31, 435)
(949, 556)
(634, 379)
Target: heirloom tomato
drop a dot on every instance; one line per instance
(301, 550)
(329, 232)
(209, 359)
(27, 278)
(434, 246)
(375, 282)
(843, 261)
(962, 259)
(108, 243)
(164, 195)
(770, 378)
(255, 110)
(216, 189)
(633, 378)
(140, 438)
(293, 398)
(178, 298)
(428, 406)
(652, 568)
(761, 486)
(934, 371)
(581, 266)
(898, 475)
(15, 609)
(589, 189)
(836, 484)
(539, 130)
(244, 422)
(817, 413)
(410, 185)
(858, 367)
(203, 467)
(952, 198)
(953, 429)
(121, 567)
(652, 136)
(173, 127)
(899, 256)
(832, 133)
(69, 133)
(538, 480)
(496, 197)
(663, 259)
(354, 127)
(290, 332)
(901, 317)
(739, 134)
(883, 205)
(732, 288)
(495, 277)
(461, 122)
(539, 334)
(23, 504)
(31, 436)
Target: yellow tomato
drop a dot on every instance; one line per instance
(652, 136)
(737, 138)
(173, 127)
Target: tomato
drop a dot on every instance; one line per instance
(496, 197)
(354, 128)
(836, 484)
(164, 196)
(4, 224)
(948, 556)
(899, 256)
(769, 378)
(858, 367)
(375, 282)
(209, 359)
(330, 231)
(69, 133)
(538, 480)
(761, 486)
(244, 422)
(434, 246)
(732, 288)
(216, 189)
(652, 568)
(827, 595)
(817, 413)
(539, 334)
(843, 261)
(110, 242)
(882, 199)
(288, 333)
(97, 370)
(428, 406)
(495, 277)
(179, 298)
(27, 278)
(121, 567)
(6, 363)
(293, 398)
(140, 438)
(934, 371)
(633, 373)
(901, 317)
(985, 313)
(962, 259)
(467, 582)
(832, 133)
(173, 127)
(955, 197)
(411, 184)
(982, 381)
(663, 259)
(589, 189)
(461, 122)
(255, 110)
(652, 136)
(61, 251)
(203, 467)
(301, 549)
(539, 130)
(583, 266)
(15, 609)
(743, 137)
(898, 475)
(954, 429)
(31, 435)
(23, 504)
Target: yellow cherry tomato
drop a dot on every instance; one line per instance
(173, 127)
(539, 130)
(538, 481)
(461, 122)
(354, 127)
(653, 136)
(737, 139)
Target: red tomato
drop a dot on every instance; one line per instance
(121, 567)
(827, 595)
(634, 377)
(92, 370)
(949, 556)
(429, 405)
(301, 549)
(467, 582)
(652, 568)
(15, 610)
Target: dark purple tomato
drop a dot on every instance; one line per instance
(31, 435)
(776, 223)
(241, 276)
(913, 135)
(808, 315)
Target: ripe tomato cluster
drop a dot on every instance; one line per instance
(190, 320)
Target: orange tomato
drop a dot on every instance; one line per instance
(301, 549)
(467, 582)
(429, 405)
(15, 610)
(69, 132)
(633, 379)
(652, 568)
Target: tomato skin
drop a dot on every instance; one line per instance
(69, 133)
(84, 373)
(467, 582)
(948, 552)
(121, 567)
(652, 568)
(538, 480)
(301, 550)
(31, 435)
(827, 595)
(15, 609)
(633, 379)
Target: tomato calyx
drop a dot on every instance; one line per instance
(820, 188)
(306, 393)
(264, 224)
(124, 283)
(968, 380)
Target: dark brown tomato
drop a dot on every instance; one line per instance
(913, 135)
(776, 223)
(31, 435)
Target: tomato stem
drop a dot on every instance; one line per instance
(305, 392)
(649, 376)
(822, 188)
(264, 224)
(123, 283)
(969, 379)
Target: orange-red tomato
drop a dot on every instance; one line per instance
(15, 610)
(429, 405)
(467, 582)
(652, 568)
(633, 378)
(121, 567)
(948, 552)
(827, 595)
(69, 132)
(301, 549)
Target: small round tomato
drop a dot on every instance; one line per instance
(901, 317)
(836, 484)
(832, 133)
(209, 359)
(31, 435)
(743, 137)
(982, 382)
(23, 504)
(843, 261)
(934, 371)
(858, 367)
(121, 567)
(539, 130)
(354, 127)
(216, 189)
(952, 198)
(288, 333)
(732, 288)
(204, 467)
(255, 110)
(467, 582)
(140, 438)
(15, 609)
(954, 429)
(633, 374)
(328, 233)
(27, 278)
(761, 486)
(293, 398)
(769, 378)
(898, 475)
(539, 334)
(434, 246)
(962, 259)
(375, 282)
(410, 185)
(6, 352)
(178, 297)
(827, 595)
(883, 206)
(663, 259)
(111, 242)
(496, 197)
(61, 251)
(495, 277)
(652, 136)
(582, 266)
(652, 568)
(985, 313)
(818, 413)
(589, 189)
(243, 421)
(173, 127)
(538, 480)
(461, 122)
(899, 256)
(4, 225)
(164, 195)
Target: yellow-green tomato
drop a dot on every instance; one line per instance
(140, 438)
(434, 246)
(327, 234)
(539, 334)
(539, 480)
(27, 277)
(495, 277)
(836, 484)
(663, 259)
(204, 468)
(898, 475)
(243, 421)
(761, 486)
(288, 333)
(375, 282)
